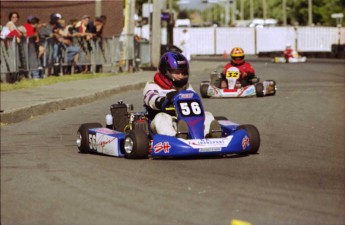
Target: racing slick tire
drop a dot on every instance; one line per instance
(254, 137)
(203, 90)
(274, 88)
(259, 88)
(83, 136)
(136, 145)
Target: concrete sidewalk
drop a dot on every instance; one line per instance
(22, 104)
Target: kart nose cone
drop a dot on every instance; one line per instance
(128, 145)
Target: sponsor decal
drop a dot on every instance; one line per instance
(193, 122)
(209, 143)
(104, 140)
(250, 91)
(107, 144)
(190, 95)
(245, 142)
(181, 62)
(162, 147)
(215, 90)
(105, 131)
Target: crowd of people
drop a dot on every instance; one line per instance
(61, 34)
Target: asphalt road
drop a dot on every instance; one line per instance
(298, 177)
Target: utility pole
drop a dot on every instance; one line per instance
(233, 14)
(156, 33)
(284, 13)
(129, 17)
(264, 9)
(310, 12)
(251, 6)
(227, 6)
(171, 24)
(242, 10)
(98, 7)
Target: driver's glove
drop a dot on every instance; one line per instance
(171, 95)
(162, 102)
(159, 103)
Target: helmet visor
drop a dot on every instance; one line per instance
(183, 71)
(237, 58)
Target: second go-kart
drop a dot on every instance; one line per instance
(130, 136)
(297, 59)
(230, 86)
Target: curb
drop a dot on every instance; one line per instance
(26, 113)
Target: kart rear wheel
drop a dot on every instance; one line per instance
(136, 145)
(259, 88)
(204, 90)
(254, 137)
(83, 136)
(273, 86)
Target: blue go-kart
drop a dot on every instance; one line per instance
(130, 136)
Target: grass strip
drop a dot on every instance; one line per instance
(31, 83)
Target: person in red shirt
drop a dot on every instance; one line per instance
(288, 52)
(247, 73)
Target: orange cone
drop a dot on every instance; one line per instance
(225, 55)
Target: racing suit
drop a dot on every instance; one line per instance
(154, 93)
(288, 53)
(246, 72)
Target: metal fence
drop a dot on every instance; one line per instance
(19, 57)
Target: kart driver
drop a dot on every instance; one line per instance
(288, 52)
(247, 72)
(172, 77)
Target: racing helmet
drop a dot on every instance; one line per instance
(174, 62)
(237, 55)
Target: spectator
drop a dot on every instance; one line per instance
(81, 25)
(33, 48)
(71, 29)
(95, 28)
(73, 51)
(11, 30)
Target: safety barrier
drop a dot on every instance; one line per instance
(20, 57)
(216, 40)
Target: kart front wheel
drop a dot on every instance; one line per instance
(254, 137)
(259, 88)
(136, 144)
(204, 90)
(83, 136)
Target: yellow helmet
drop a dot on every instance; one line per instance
(237, 55)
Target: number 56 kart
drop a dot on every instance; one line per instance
(128, 135)
(230, 86)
